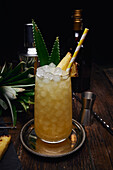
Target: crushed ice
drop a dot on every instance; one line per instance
(51, 72)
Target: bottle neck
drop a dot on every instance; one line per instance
(77, 20)
(78, 25)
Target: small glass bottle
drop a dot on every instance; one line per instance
(82, 82)
(29, 56)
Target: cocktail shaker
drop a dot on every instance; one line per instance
(29, 55)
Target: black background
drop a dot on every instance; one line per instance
(54, 19)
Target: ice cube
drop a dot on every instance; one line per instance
(58, 71)
(65, 74)
(52, 65)
(49, 76)
(52, 70)
(40, 72)
(46, 68)
(46, 80)
(56, 78)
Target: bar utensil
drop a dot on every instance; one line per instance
(3, 125)
(90, 104)
(88, 99)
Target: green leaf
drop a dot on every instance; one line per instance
(40, 45)
(1, 79)
(3, 104)
(55, 54)
(29, 93)
(22, 85)
(21, 76)
(26, 81)
(0, 111)
(26, 99)
(3, 68)
(23, 105)
(2, 72)
(14, 114)
(13, 72)
(10, 106)
(16, 80)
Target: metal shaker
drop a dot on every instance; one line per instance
(29, 55)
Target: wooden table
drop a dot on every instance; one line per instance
(97, 151)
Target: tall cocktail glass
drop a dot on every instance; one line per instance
(53, 105)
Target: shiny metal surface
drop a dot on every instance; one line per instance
(88, 99)
(36, 146)
(89, 104)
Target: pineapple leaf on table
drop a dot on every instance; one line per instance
(3, 104)
(13, 85)
(23, 81)
(11, 109)
(40, 45)
(21, 76)
(29, 93)
(55, 54)
(0, 111)
(26, 99)
(5, 69)
(14, 114)
(26, 107)
(12, 72)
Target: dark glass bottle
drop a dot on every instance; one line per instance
(82, 82)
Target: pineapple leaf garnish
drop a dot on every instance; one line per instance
(42, 50)
(55, 54)
(40, 45)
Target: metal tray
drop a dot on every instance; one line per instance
(36, 146)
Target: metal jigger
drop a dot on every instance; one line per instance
(88, 99)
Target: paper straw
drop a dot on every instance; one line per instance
(77, 49)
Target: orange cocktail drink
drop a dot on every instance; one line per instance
(53, 104)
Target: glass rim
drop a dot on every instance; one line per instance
(62, 78)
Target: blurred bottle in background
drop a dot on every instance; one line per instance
(29, 55)
(82, 82)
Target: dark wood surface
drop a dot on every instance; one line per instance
(97, 151)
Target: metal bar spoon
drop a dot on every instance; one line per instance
(3, 125)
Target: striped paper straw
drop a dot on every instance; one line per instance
(77, 49)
